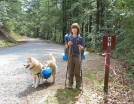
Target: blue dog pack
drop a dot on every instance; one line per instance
(46, 72)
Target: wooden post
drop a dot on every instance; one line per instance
(109, 43)
(107, 64)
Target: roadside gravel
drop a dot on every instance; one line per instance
(15, 80)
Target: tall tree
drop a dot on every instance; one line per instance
(64, 18)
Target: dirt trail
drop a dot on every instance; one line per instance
(16, 81)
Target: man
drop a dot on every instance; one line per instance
(74, 43)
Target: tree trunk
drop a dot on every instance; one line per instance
(64, 20)
(102, 14)
(82, 29)
(98, 16)
(90, 23)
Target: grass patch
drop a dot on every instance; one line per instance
(89, 76)
(64, 96)
(6, 44)
(94, 82)
(97, 85)
(131, 75)
(91, 50)
(16, 37)
(133, 86)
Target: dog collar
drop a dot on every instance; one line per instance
(31, 68)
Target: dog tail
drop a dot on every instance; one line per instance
(51, 57)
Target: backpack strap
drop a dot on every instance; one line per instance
(69, 47)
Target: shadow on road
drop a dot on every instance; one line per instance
(29, 90)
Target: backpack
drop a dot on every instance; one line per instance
(67, 38)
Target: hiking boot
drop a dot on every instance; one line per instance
(70, 87)
(79, 87)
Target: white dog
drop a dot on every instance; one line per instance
(52, 64)
(35, 67)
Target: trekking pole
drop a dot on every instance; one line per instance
(69, 51)
(80, 58)
(67, 64)
(66, 76)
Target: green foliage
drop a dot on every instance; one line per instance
(88, 40)
(124, 32)
(6, 44)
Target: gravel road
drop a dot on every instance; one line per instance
(16, 81)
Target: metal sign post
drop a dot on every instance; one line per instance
(108, 44)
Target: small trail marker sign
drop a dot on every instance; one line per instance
(109, 40)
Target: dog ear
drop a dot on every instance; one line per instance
(29, 59)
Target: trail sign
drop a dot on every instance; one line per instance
(108, 44)
(109, 39)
